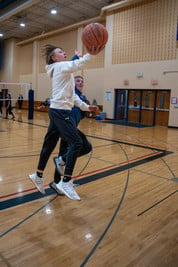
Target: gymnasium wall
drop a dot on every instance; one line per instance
(10, 68)
(145, 32)
(142, 38)
(26, 59)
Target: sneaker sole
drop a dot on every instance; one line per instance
(41, 191)
(56, 190)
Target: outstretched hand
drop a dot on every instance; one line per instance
(77, 53)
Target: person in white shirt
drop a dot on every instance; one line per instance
(63, 99)
(77, 115)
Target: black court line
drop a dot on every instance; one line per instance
(109, 224)
(91, 178)
(20, 156)
(5, 261)
(101, 138)
(157, 203)
(104, 174)
(157, 176)
(31, 123)
(171, 171)
(127, 143)
(24, 199)
(29, 216)
(30, 197)
(126, 123)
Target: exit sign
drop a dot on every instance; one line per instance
(154, 82)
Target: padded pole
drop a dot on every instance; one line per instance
(30, 104)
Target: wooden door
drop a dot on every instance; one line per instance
(134, 106)
(162, 107)
(148, 104)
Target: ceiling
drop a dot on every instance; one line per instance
(36, 15)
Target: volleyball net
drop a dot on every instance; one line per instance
(18, 89)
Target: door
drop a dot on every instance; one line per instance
(120, 104)
(134, 106)
(148, 107)
(162, 107)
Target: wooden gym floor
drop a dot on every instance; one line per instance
(128, 215)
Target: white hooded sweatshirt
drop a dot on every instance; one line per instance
(63, 84)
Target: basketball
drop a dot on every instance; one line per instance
(95, 36)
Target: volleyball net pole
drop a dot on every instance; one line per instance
(30, 104)
(15, 89)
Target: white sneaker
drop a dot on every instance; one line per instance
(75, 184)
(68, 189)
(60, 164)
(54, 187)
(38, 182)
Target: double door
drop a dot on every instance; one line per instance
(150, 107)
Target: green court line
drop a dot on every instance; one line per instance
(28, 217)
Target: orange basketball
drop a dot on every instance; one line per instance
(94, 35)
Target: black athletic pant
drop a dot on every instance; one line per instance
(62, 125)
(86, 148)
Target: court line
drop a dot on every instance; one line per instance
(152, 174)
(111, 221)
(116, 142)
(157, 203)
(28, 217)
(112, 218)
(98, 174)
(5, 261)
(20, 192)
(169, 168)
(111, 167)
(102, 138)
(80, 175)
(128, 143)
(86, 164)
(21, 156)
(118, 169)
(152, 157)
(109, 224)
(106, 229)
(31, 197)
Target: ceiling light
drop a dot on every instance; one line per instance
(22, 24)
(53, 11)
(21, 21)
(1, 34)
